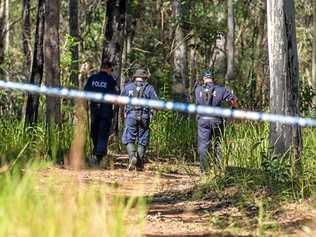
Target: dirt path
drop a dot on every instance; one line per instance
(176, 208)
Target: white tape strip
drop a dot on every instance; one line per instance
(158, 104)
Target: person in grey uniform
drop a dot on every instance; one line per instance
(137, 119)
(210, 129)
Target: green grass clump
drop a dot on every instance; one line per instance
(246, 161)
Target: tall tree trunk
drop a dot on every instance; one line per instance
(74, 33)
(230, 43)
(2, 29)
(284, 76)
(26, 44)
(261, 55)
(26, 35)
(193, 65)
(36, 76)
(7, 27)
(124, 75)
(76, 155)
(114, 29)
(52, 60)
(4, 33)
(130, 26)
(218, 59)
(114, 32)
(314, 55)
(180, 81)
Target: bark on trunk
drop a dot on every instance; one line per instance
(261, 62)
(230, 46)
(193, 65)
(36, 76)
(76, 155)
(130, 26)
(218, 59)
(74, 33)
(314, 55)
(114, 33)
(180, 79)
(2, 29)
(284, 76)
(7, 26)
(51, 59)
(3, 33)
(26, 35)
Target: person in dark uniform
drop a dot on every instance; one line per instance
(210, 129)
(137, 119)
(101, 113)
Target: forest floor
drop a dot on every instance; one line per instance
(176, 208)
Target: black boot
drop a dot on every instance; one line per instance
(94, 161)
(141, 154)
(131, 156)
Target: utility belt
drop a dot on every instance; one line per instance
(140, 113)
(102, 108)
(211, 118)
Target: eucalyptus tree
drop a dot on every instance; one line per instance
(284, 76)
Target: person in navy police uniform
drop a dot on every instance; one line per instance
(101, 113)
(137, 119)
(210, 129)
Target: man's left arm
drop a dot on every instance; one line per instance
(230, 98)
(153, 96)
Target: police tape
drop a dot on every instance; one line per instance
(159, 104)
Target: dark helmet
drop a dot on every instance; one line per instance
(141, 73)
(208, 75)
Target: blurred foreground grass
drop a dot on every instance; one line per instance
(29, 207)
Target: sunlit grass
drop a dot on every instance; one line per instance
(245, 149)
(29, 207)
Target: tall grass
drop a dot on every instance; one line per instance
(17, 143)
(24, 144)
(245, 147)
(174, 134)
(29, 207)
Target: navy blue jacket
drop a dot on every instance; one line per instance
(148, 93)
(101, 82)
(212, 94)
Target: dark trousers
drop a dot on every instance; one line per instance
(100, 132)
(136, 130)
(209, 135)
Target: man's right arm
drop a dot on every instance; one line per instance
(230, 98)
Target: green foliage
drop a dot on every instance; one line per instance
(206, 21)
(32, 143)
(306, 99)
(174, 135)
(17, 143)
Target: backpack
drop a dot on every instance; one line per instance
(208, 95)
(139, 92)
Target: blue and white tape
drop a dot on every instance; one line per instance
(159, 104)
